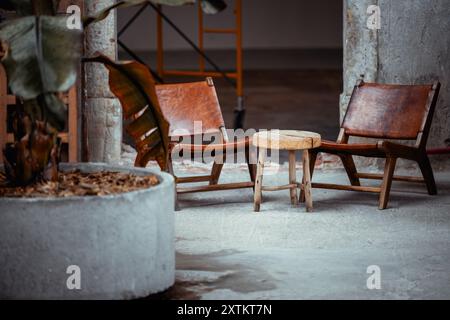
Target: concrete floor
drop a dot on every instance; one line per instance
(225, 251)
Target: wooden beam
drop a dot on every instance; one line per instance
(216, 187)
(7, 99)
(346, 188)
(293, 177)
(279, 188)
(213, 30)
(193, 179)
(376, 176)
(3, 110)
(72, 135)
(196, 73)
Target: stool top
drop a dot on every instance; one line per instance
(287, 140)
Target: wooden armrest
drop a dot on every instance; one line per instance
(234, 145)
(366, 149)
(399, 150)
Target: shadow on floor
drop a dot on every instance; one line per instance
(207, 274)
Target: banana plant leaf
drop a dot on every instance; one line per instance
(27, 160)
(209, 6)
(213, 6)
(42, 59)
(134, 86)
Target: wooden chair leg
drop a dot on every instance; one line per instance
(293, 178)
(387, 182)
(215, 173)
(312, 163)
(350, 168)
(307, 180)
(428, 176)
(172, 172)
(251, 167)
(259, 180)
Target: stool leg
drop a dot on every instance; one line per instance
(307, 181)
(293, 177)
(312, 162)
(259, 179)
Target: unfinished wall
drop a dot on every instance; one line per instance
(412, 47)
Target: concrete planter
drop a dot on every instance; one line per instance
(122, 245)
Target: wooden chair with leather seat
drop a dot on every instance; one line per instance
(384, 112)
(186, 104)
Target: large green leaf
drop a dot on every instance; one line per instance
(134, 86)
(42, 57)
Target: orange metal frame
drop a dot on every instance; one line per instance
(70, 137)
(202, 72)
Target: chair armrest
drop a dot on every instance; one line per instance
(234, 145)
(399, 150)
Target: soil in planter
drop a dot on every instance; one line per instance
(76, 183)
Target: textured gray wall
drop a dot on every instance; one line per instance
(412, 47)
(360, 48)
(266, 24)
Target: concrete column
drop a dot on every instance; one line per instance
(412, 47)
(102, 110)
(360, 48)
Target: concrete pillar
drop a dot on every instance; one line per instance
(102, 110)
(360, 48)
(412, 47)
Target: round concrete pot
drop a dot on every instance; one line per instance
(102, 247)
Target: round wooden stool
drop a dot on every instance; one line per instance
(292, 141)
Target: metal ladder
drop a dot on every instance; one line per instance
(237, 75)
